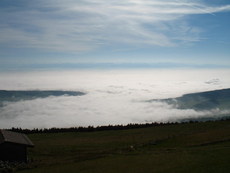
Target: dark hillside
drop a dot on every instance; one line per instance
(12, 96)
(218, 99)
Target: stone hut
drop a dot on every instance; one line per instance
(13, 146)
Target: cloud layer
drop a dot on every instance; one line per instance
(75, 26)
(113, 97)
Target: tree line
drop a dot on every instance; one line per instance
(101, 128)
(90, 128)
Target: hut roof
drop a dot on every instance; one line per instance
(13, 137)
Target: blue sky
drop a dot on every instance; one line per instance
(112, 33)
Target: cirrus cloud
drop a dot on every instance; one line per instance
(75, 26)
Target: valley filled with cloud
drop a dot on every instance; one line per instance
(110, 97)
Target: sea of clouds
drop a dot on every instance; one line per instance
(112, 96)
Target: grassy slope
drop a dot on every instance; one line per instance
(195, 147)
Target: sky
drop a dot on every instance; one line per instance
(73, 34)
(120, 53)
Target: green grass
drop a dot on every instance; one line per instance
(194, 147)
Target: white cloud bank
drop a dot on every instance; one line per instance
(113, 97)
(88, 24)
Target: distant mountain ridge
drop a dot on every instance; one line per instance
(17, 95)
(201, 101)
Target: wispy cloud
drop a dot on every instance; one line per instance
(84, 25)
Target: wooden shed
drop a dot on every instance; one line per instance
(13, 146)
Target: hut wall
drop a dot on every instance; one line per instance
(13, 152)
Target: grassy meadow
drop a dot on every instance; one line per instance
(189, 147)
